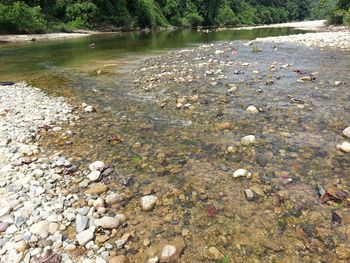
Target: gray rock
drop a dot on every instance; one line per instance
(81, 223)
(84, 210)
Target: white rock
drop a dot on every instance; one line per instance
(97, 166)
(167, 252)
(85, 236)
(113, 199)
(252, 109)
(94, 176)
(148, 202)
(346, 132)
(344, 147)
(5, 211)
(241, 173)
(153, 260)
(89, 109)
(248, 140)
(40, 229)
(337, 83)
(81, 223)
(107, 222)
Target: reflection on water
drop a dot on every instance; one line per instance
(18, 60)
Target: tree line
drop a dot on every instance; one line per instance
(33, 16)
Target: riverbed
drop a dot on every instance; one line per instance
(175, 126)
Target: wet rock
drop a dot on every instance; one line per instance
(168, 253)
(113, 199)
(241, 173)
(119, 259)
(97, 166)
(85, 236)
(249, 194)
(248, 140)
(94, 176)
(346, 132)
(97, 189)
(148, 202)
(213, 254)
(252, 109)
(81, 223)
(344, 147)
(224, 126)
(107, 222)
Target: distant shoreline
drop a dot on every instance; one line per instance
(317, 25)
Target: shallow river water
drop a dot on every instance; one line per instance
(187, 155)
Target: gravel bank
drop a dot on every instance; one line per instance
(38, 37)
(321, 39)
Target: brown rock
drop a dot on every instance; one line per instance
(119, 259)
(224, 126)
(97, 189)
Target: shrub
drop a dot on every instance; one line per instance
(81, 15)
(227, 17)
(194, 19)
(20, 18)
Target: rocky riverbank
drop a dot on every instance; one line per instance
(219, 153)
(321, 39)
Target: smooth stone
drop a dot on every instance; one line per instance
(153, 260)
(4, 226)
(100, 260)
(5, 211)
(97, 166)
(113, 199)
(248, 140)
(94, 176)
(168, 252)
(81, 223)
(241, 173)
(213, 253)
(19, 221)
(344, 147)
(98, 188)
(249, 194)
(84, 210)
(40, 229)
(89, 109)
(107, 222)
(148, 202)
(346, 132)
(85, 236)
(252, 109)
(119, 259)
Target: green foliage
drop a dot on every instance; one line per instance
(21, 18)
(81, 15)
(341, 13)
(225, 259)
(68, 15)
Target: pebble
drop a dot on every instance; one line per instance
(148, 202)
(248, 140)
(346, 132)
(153, 260)
(94, 176)
(249, 194)
(112, 199)
(81, 223)
(252, 109)
(214, 254)
(107, 222)
(119, 259)
(241, 173)
(85, 236)
(97, 166)
(4, 226)
(344, 147)
(5, 211)
(89, 109)
(168, 252)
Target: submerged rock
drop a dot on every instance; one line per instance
(248, 140)
(346, 132)
(148, 202)
(344, 147)
(241, 173)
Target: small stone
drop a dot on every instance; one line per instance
(249, 194)
(337, 83)
(214, 254)
(5, 211)
(94, 176)
(258, 191)
(168, 252)
(21, 246)
(252, 109)
(40, 229)
(148, 202)
(19, 221)
(248, 140)
(113, 199)
(241, 173)
(97, 166)
(119, 259)
(81, 223)
(89, 109)
(85, 236)
(56, 129)
(346, 132)
(153, 260)
(344, 147)
(97, 189)
(224, 126)
(4, 226)
(107, 222)
(84, 210)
